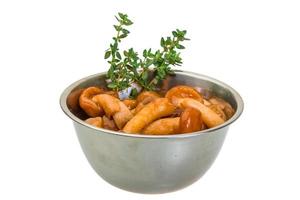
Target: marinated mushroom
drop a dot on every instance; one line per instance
(182, 110)
(87, 104)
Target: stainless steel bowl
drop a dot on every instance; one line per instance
(146, 163)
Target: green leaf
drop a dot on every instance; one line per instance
(123, 36)
(174, 33)
(162, 42)
(114, 47)
(145, 54)
(168, 41)
(130, 51)
(112, 85)
(149, 62)
(122, 16)
(118, 55)
(179, 46)
(125, 31)
(107, 54)
(128, 22)
(133, 93)
(118, 28)
(145, 76)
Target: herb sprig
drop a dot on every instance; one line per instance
(129, 67)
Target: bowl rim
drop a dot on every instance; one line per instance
(237, 114)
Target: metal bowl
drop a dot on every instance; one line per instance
(152, 163)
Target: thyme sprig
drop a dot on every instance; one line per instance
(129, 67)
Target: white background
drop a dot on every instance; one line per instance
(254, 46)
